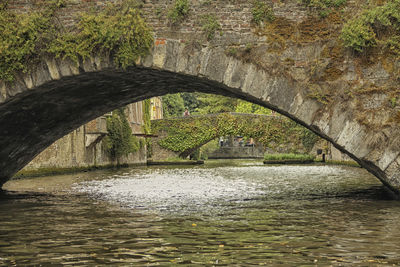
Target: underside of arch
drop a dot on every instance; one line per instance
(35, 118)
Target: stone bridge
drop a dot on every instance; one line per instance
(184, 135)
(294, 65)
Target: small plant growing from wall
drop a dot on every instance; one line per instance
(210, 26)
(262, 13)
(324, 7)
(179, 11)
(393, 102)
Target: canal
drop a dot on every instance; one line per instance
(224, 213)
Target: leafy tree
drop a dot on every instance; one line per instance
(190, 101)
(208, 103)
(215, 104)
(173, 105)
(248, 107)
(120, 141)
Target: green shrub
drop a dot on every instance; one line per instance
(210, 25)
(378, 25)
(262, 12)
(23, 38)
(179, 11)
(289, 156)
(118, 30)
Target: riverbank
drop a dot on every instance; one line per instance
(42, 172)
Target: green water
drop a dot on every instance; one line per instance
(223, 214)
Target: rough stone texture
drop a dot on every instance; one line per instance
(295, 68)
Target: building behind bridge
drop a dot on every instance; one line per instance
(84, 147)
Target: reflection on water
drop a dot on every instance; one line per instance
(239, 214)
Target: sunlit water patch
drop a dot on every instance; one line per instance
(194, 189)
(173, 189)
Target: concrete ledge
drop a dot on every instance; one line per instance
(183, 162)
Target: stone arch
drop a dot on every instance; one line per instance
(59, 96)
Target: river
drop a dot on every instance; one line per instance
(225, 213)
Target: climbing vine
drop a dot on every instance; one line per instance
(120, 141)
(271, 131)
(118, 30)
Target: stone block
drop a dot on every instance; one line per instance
(89, 65)
(28, 80)
(18, 86)
(41, 75)
(172, 53)
(64, 67)
(387, 158)
(216, 66)
(307, 110)
(53, 68)
(159, 55)
(3, 92)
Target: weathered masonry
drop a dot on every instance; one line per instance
(294, 65)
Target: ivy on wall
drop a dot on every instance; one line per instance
(185, 135)
(118, 30)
